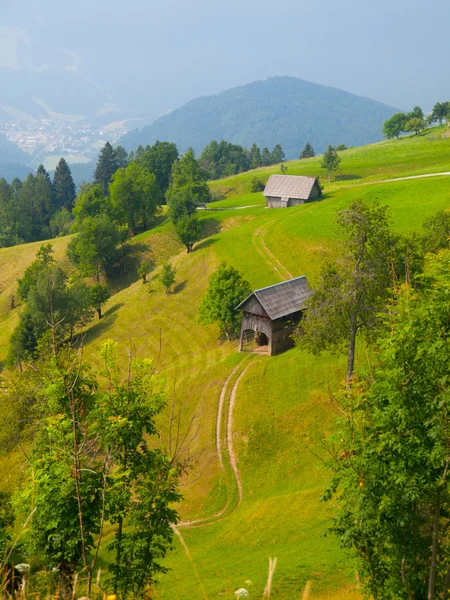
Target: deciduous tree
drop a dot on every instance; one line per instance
(167, 277)
(352, 291)
(391, 452)
(226, 289)
(189, 231)
(330, 161)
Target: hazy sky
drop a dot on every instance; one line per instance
(159, 54)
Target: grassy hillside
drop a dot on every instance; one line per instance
(257, 410)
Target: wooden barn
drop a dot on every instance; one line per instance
(270, 315)
(282, 191)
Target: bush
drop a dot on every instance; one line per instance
(257, 185)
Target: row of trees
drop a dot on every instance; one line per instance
(222, 159)
(415, 121)
(36, 208)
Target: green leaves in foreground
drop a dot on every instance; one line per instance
(93, 461)
(391, 456)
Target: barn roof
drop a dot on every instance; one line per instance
(282, 299)
(289, 186)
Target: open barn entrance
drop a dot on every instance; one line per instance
(254, 341)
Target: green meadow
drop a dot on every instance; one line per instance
(271, 409)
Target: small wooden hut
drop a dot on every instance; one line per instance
(271, 314)
(282, 191)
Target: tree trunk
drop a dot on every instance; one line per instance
(329, 176)
(434, 549)
(99, 312)
(118, 552)
(351, 349)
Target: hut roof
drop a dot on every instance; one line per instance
(282, 299)
(289, 186)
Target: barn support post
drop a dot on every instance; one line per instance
(241, 340)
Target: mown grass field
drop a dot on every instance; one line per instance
(279, 402)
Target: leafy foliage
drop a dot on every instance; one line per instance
(135, 197)
(94, 248)
(189, 230)
(158, 159)
(226, 289)
(391, 454)
(353, 291)
(330, 161)
(187, 176)
(99, 294)
(167, 276)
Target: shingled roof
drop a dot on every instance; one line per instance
(282, 299)
(289, 186)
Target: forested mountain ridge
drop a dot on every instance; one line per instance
(279, 110)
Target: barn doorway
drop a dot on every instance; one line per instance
(256, 342)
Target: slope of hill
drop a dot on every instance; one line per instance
(259, 410)
(10, 153)
(282, 110)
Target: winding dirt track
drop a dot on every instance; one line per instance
(259, 236)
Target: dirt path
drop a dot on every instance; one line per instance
(219, 516)
(443, 173)
(189, 555)
(231, 453)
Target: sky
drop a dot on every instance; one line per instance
(156, 55)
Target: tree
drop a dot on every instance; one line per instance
(257, 185)
(330, 161)
(121, 157)
(416, 113)
(135, 197)
(283, 169)
(277, 155)
(167, 276)
(352, 291)
(182, 204)
(61, 223)
(341, 147)
(99, 294)
(391, 452)
(107, 165)
(394, 126)
(186, 175)
(144, 269)
(437, 232)
(266, 157)
(308, 151)
(226, 290)
(63, 186)
(93, 249)
(255, 157)
(44, 258)
(94, 459)
(189, 231)
(415, 124)
(159, 159)
(91, 202)
(438, 113)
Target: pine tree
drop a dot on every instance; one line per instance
(187, 175)
(278, 155)
(64, 187)
(308, 151)
(266, 157)
(255, 157)
(107, 165)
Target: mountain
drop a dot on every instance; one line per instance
(10, 153)
(282, 110)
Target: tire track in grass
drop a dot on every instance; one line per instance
(268, 256)
(219, 516)
(189, 555)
